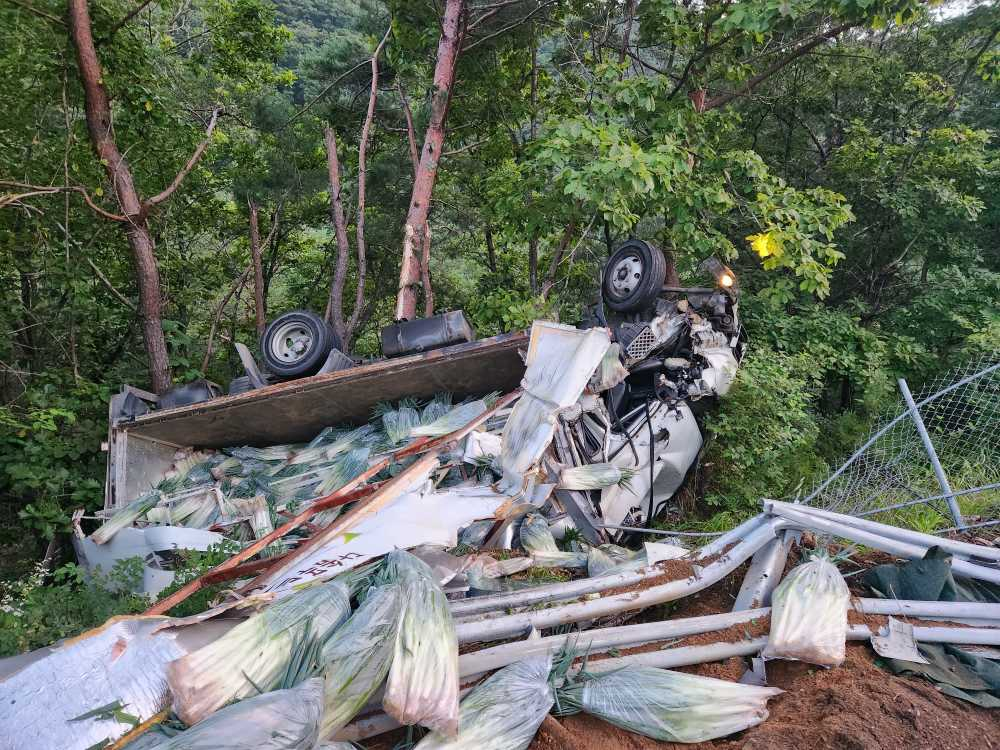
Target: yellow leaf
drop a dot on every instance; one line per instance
(149, 106)
(99, 192)
(764, 245)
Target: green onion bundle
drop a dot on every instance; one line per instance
(125, 517)
(610, 558)
(254, 656)
(357, 657)
(279, 720)
(423, 679)
(537, 540)
(809, 615)
(503, 712)
(454, 419)
(665, 705)
(594, 477)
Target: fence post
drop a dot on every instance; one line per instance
(931, 453)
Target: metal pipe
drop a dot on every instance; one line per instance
(661, 532)
(516, 624)
(929, 499)
(960, 549)
(892, 546)
(925, 437)
(929, 610)
(572, 589)
(601, 639)
(923, 634)
(764, 573)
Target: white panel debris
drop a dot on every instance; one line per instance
(560, 361)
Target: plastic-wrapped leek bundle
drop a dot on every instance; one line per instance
(358, 656)
(503, 712)
(537, 540)
(398, 423)
(665, 705)
(594, 477)
(279, 720)
(610, 558)
(125, 517)
(458, 417)
(423, 680)
(809, 615)
(255, 655)
(610, 372)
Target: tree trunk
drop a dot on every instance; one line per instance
(258, 268)
(452, 31)
(99, 126)
(335, 305)
(533, 263)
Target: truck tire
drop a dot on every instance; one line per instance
(633, 277)
(296, 344)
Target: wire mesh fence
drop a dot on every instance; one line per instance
(892, 473)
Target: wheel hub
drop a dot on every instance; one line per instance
(626, 275)
(291, 342)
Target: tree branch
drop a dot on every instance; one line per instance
(186, 169)
(359, 295)
(335, 301)
(122, 21)
(52, 190)
(217, 315)
(38, 12)
(505, 29)
(550, 276)
(411, 137)
(798, 52)
(111, 287)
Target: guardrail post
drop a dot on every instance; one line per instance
(942, 478)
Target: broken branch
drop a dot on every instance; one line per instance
(186, 169)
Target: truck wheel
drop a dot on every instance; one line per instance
(296, 344)
(633, 276)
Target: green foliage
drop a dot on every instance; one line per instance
(189, 565)
(763, 442)
(33, 614)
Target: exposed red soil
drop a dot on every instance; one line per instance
(853, 707)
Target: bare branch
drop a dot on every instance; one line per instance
(326, 90)
(38, 12)
(411, 137)
(800, 51)
(550, 276)
(463, 149)
(505, 29)
(111, 287)
(217, 315)
(52, 190)
(124, 20)
(186, 169)
(359, 296)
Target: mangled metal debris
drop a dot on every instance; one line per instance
(364, 636)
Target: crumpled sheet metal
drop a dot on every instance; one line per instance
(560, 361)
(123, 660)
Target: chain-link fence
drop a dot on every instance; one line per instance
(935, 464)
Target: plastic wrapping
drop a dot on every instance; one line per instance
(610, 558)
(594, 477)
(503, 712)
(456, 418)
(668, 706)
(358, 656)
(423, 680)
(809, 615)
(537, 540)
(610, 372)
(560, 361)
(123, 660)
(279, 720)
(255, 655)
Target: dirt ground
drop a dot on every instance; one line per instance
(853, 707)
(857, 706)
